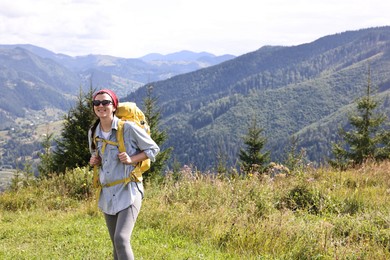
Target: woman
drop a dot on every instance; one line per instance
(121, 202)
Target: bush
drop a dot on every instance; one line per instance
(302, 198)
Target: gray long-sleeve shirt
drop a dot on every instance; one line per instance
(118, 197)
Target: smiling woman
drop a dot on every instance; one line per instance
(119, 194)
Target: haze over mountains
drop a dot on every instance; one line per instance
(208, 104)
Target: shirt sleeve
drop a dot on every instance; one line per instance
(140, 140)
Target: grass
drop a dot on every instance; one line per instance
(316, 214)
(76, 234)
(52, 235)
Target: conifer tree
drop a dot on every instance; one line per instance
(222, 158)
(295, 158)
(72, 148)
(251, 158)
(367, 140)
(152, 114)
(45, 165)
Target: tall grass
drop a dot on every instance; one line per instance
(316, 214)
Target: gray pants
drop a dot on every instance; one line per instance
(120, 227)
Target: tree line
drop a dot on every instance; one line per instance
(366, 139)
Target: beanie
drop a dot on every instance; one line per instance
(111, 93)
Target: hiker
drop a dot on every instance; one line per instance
(118, 198)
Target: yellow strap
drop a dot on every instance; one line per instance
(125, 181)
(98, 191)
(99, 187)
(105, 142)
(119, 137)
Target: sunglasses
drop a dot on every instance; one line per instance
(97, 103)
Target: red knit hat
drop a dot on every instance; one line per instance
(111, 93)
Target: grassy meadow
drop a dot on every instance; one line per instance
(310, 214)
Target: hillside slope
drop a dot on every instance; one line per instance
(286, 89)
(29, 82)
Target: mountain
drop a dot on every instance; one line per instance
(54, 80)
(184, 61)
(304, 91)
(188, 56)
(29, 82)
(139, 71)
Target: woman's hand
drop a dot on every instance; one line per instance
(125, 158)
(95, 160)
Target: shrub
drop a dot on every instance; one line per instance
(302, 198)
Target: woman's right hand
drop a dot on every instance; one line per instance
(95, 160)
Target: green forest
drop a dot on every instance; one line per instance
(304, 91)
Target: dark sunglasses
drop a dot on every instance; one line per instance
(103, 102)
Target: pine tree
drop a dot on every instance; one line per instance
(222, 158)
(152, 114)
(295, 158)
(251, 158)
(72, 148)
(367, 140)
(45, 165)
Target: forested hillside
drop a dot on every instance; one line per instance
(303, 91)
(29, 82)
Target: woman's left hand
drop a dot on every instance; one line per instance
(124, 158)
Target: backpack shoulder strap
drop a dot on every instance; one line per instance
(141, 167)
(119, 136)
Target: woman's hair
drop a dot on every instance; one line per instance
(93, 128)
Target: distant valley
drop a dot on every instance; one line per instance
(29, 71)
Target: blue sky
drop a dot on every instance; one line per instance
(133, 28)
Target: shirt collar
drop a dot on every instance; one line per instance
(114, 125)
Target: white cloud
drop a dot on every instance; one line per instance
(129, 28)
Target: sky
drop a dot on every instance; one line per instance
(134, 28)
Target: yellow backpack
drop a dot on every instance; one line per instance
(126, 111)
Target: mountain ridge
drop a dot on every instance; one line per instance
(286, 88)
(62, 77)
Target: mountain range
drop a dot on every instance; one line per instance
(304, 91)
(27, 71)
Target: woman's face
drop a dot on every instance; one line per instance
(104, 108)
